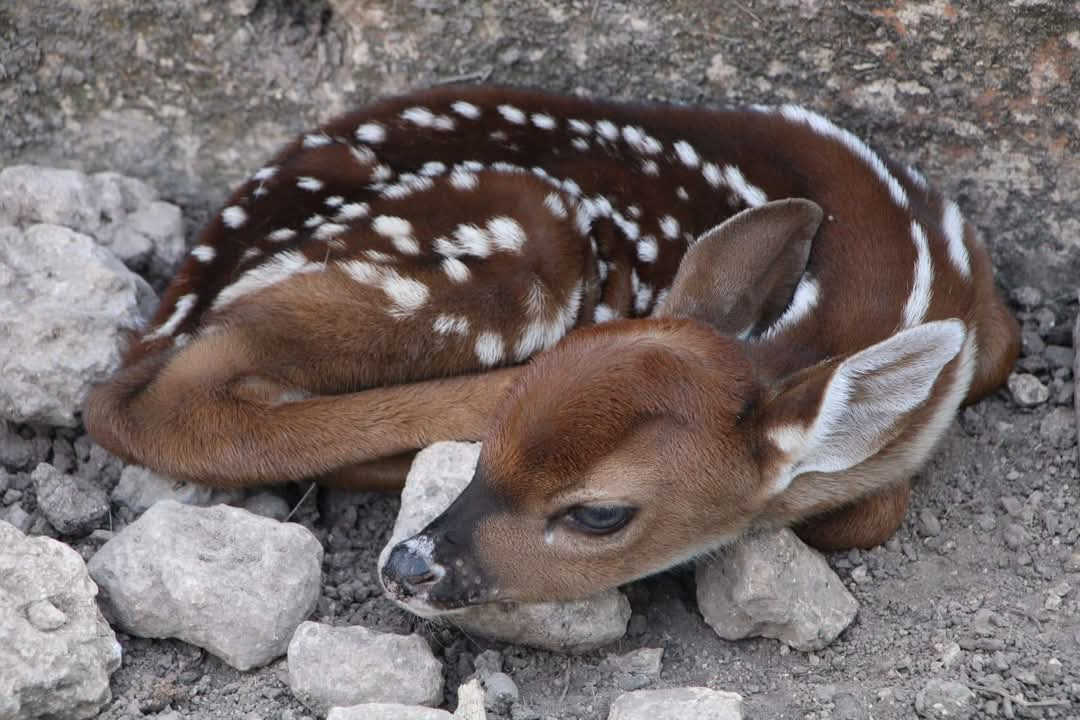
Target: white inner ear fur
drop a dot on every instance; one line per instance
(866, 400)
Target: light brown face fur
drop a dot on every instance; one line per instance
(652, 416)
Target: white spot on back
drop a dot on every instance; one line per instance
(712, 174)
(264, 174)
(391, 226)
(311, 184)
(430, 169)
(314, 221)
(922, 288)
(512, 114)
(952, 223)
(647, 249)
(371, 133)
(489, 348)
(607, 130)
(203, 253)
(234, 216)
(456, 270)
(555, 205)
(334, 201)
(315, 140)
(405, 245)
(546, 327)
(506, 233)
(352, 211)
(451, 324)
(687, 154)
(183, 307)
(580, 127)
(580, 144)
(408, 295)
(461, 179)
(669, 226)
(329, 230)
(419, 116)
(603, 313)
(471, 240)
(465, 109)
(682, 194)
(250, 253)
(642, 298)
(750, 194)
(472, 165)
(542, 121)
(281, 235)
(649, 167)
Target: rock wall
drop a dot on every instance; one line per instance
(981, 94)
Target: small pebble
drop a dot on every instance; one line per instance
(929, 524)
(1027, 390)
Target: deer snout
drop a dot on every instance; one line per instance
(410, 569)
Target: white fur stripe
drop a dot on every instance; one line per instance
(806, 298)
(280, 267)
(826, 128)
(952, 222)
(922, 288)
(750, 194)
(179, 314)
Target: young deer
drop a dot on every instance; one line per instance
(376, 287)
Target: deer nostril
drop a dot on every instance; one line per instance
(408, 568)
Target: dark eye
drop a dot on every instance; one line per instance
(600, 519)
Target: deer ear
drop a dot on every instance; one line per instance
(836, 416)
(741, 275)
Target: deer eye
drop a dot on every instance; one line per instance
(600, 519)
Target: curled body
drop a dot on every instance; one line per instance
(666, 324)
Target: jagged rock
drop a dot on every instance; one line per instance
(121, 213)
(56, 651)
(773, 585)
(438, 475)
(635, 669)
(344, 666)
(221, 578)
(945, 699)
(1027, 390)
(65, 306)
(71, 504)
(677, 704)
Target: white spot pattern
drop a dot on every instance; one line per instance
(451, 324)
(750, 194)
(311, 184)
(952, 222)
(506, 233)
(512, 114)
(456, 270)
(489, 348)
(922, 288)
(203, 253)
(234, 216)
(647, 249)
(275, 269)
(544, 122)
(183, 307)
(371, 133)
(687, 154)
(281, 235)
(466, 109)
(669, 226)
(555, 205)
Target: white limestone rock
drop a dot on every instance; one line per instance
(677, 704)
(220, 578)
(72, 505)
(344, 666)
(438, 475)
(66, 305)
(121, 213)
(773, 585)
(140, 488)
(56, 650)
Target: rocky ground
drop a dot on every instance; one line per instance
(974, 605)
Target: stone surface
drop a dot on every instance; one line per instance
(635, 669)
(121, 213)
(677, 704)
(1058, 427)
(773, 585)
(470, 702)
(1027, 390)
(56, 651)
(945, 699)
(438, 475)
(344, 666)
(65, 305)
(387, 711)
(500, 692)
(71, 504)
(220, 578)
(140, 488)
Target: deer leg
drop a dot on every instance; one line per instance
(864, 524)
(382, 475)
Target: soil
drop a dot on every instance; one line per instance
(982, 584)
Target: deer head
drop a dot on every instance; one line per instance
(637, 445)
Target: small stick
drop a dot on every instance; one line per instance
(311, 488)
(478, 75)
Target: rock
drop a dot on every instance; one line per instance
(437, 476)
(220, 578)
(56, 651)
(1058, 427)
(470, 698)
(1027, 390)
(1059, 357)
(635, 669)
(945, 699)
(387, 711)
(241, 8)
(16, 452)
(342, 666)
(500, 692)
(121, 213)
(71, 505)
(677, 704)
(773, 585)
(929, 525)
(65, 307)
(1027, 297)
(140, 488)
(17, 517)
(268, 505)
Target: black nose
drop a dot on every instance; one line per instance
(407, 570)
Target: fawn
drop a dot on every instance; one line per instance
(772, 324)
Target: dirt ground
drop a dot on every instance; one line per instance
(982, 584)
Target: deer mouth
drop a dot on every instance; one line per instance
(415, 576)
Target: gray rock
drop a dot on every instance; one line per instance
(677, 704)
(1059, 427)
(56, 651)
(437, 476)
(65, 306)
(470, 698)
(220, 578)
(19, 518)
(1058, 357)
(121, 213)
(1027, 297)
(635, 669)
(929, 525)
(945, 699)
(71, 505)
(771, 584)
(343, 666)
(268, 505)
(1027, 390)
(387, 711)
(16, 452)
(500, 692)
(140, 488)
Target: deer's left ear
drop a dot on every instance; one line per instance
(742, 274)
